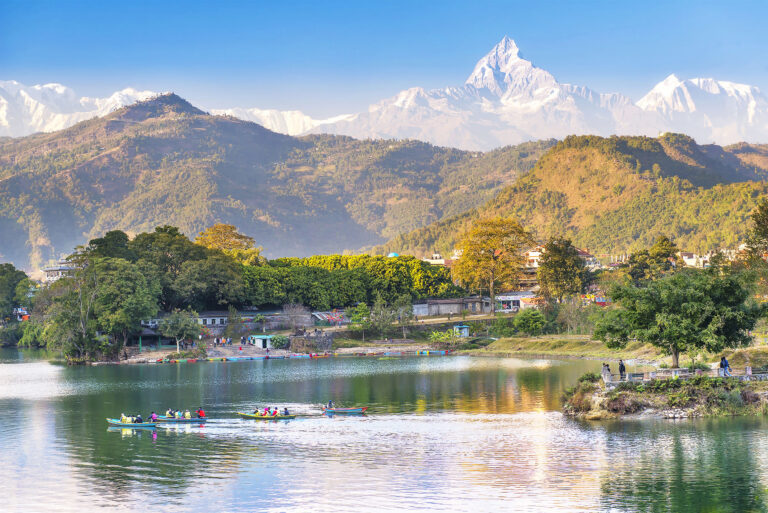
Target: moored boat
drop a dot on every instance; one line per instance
(265, 417)
(344, 410)
(130, 425)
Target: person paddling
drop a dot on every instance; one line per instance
(200, 413)
(330, 405)
(153, 417)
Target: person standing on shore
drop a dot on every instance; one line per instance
(622, 370)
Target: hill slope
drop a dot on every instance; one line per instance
(163, 161)
(617, 194)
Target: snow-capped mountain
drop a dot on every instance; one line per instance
(505, 100)
(50, 107)
(710, 110)
(291, 122)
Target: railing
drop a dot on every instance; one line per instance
(681, 373)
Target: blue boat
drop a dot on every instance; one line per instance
(131, 425)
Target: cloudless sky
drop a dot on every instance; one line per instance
(331, 57)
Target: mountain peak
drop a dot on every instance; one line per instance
(165, 104)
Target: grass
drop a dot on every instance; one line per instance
(580, 346)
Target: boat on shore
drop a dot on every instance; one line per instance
(256, 416)
(174, 420)
(131, 425)
(332, 411)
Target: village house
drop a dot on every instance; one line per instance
(432, 307)
(510, 302)
(56, 271)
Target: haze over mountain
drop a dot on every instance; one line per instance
(163, 161)
(505, 100)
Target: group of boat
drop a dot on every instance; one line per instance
(164, 419)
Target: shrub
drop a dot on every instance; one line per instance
(623, 403)
(281, 342)
(529, 321)
(590, 377)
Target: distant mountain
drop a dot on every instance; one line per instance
(46, 108)
(164, 161)
(505, 100)
(618, 194)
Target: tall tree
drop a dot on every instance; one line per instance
(10, 277)
(404, 309)
(180, 325)
(224, 237)
(359, 318)
(492, 254)
(561, 271)
(693, 310)
(652, 263)
(124, 297)
(382, 315)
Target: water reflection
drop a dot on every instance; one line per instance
(450, 434)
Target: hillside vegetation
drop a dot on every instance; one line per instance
(164, 161)
(618, 194)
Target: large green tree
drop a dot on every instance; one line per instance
(652, 263)
(10, 277)
(690, 310)
(492, 254)
(180, 325)
(561, 271)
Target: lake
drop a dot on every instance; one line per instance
(451, 433)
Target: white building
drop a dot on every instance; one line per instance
(54, 272)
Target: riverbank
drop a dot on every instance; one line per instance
(700, 396)
(567, 346)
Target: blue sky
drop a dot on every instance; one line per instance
(331, 57)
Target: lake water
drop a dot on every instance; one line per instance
(443, 434)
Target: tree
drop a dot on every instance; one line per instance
(124, 297)
(757, 237)
(209, 283)
(299, 316)
(114, 244)
(691, 310)
(382, 315)
(652, 263)
(359, 318)
(530, 321)
(561, 270)
(180, 325)
(491, 254)
(224, 237)
(10, 277)
(235, 324)
(404, 310)
(261, 319)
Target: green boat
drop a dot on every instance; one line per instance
(265, 417)
(131, 425)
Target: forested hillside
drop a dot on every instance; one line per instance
(164, 161)
(618, 194)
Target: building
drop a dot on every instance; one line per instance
(54, 272)
(533, 258)
(509, 302)
(437, 307)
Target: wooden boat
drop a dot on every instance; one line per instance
(193, 420)
(313, 356)
(333, 411)
(130, 425)
(266, 417)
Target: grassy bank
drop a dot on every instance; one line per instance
(701, 396)
(573, 346)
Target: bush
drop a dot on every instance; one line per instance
(623, 403)
(530, 321)
(589, 377)
(503, 327)
(280, 342)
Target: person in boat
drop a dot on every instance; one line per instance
(274, 412)
(266, 412)
(256, 411)
(330, 405)
(152, 417)
(285, 412)
(137, 419)
(123, 418)
(187, 414)
(169, 413)
(200, 413)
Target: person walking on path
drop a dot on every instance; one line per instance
(725, 366)
(622, 370)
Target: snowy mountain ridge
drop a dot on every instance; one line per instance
(505, 100)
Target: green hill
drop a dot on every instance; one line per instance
(618, 194)
(164, 161)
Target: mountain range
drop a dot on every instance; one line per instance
(505, 100)
(163, 161)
